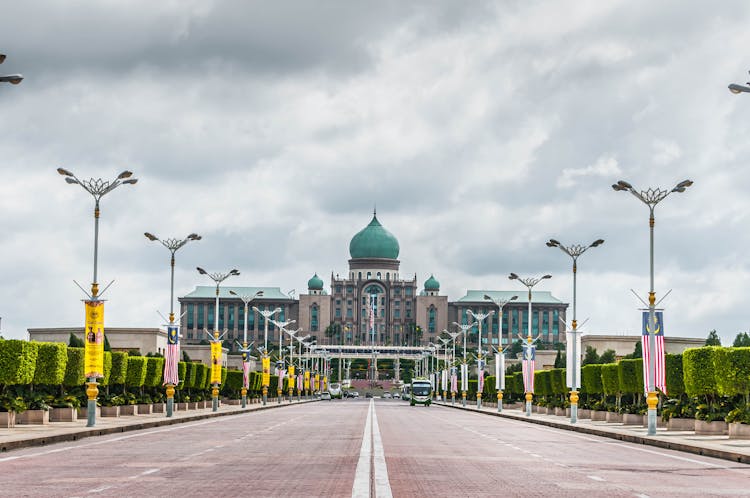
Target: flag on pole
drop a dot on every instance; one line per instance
(480, 383)
(499, 371)
(573, 361)
(371, 315)
(454, 380)
(660, 380)
(172, 357)
(527, 367)
(464, 377)
(246, 374)
(282, 373)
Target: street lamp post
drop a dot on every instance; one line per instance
(445, 365)
(529, 346)
(480, 317)
(651, 198)
(265, 358)
(281, 372)
(464, 366)
(13, 79)
(735, 88)
(215, 340)
(453, 380)
(290, 370)
(171, 376)
(573, 367)
(94, 331)
(500, 303)
(245, 350)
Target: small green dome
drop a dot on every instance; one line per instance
(374, 241)
(432, 284)
(315, 283)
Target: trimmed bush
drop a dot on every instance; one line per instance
(610, 379)
(136, 373)
(233, 382)
(201, 375)
(542, 384)
(223, 375)
(698, 369)
(17, 361)
(74, 368)
(630, 375)
(557, 381)
(591, 377)
(107, 368)
(674, 374)
(119, 368)
(181, 370)
(732, 367)
(520, 390)
(154, 371)
(52, 358)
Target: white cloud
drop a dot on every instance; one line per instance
(604, 167)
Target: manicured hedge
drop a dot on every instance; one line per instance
(104, 381)
(181, 369)
(52, 358)
(733, 368)
(673, 371)
(119, 368)
(698, 369)
(610, 379)
(233, 382)
(542, 383)
(591, 377)
(520, 390)
(201, 375)
(557, 381)
(74, 368)
(17, 361)
(154, 371)
(136, 373)
(630, 374)
(223, 375)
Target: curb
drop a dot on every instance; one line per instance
(84, 433)
(628, 438)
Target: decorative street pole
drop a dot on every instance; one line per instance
(464, 366)
(215, 340)
(245, 350)
(171, 376)
(500, 357)
(94, 331)
(573, 357)
(282, 370)
(444, 374)
(454, 377)
(265, 358)
(651, 198)
(13, 79)
(479, 317)
(529, 348)
(291, 369)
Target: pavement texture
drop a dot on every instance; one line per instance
(336, 448)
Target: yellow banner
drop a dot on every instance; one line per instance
(215, 363)
(307, 381)
(266, 371)
(291, 371)
(317, 382)
(325, 383)
(94, 340)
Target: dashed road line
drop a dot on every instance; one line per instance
(371, 476)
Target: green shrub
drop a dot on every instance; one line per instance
(17, 361)
(557, 380)
(542, 384)
(698, 369)
(136, 373)
(610, 379)
(201, 376)
(154, 371)
(119, 368)
(107, 368)
(52, 358)
(489, 391)
(591, 377)
(674, 375)
(630, 375)
(223, 375)
(181, 370)
(74, 368)
(732, 367)
(233, 381)
(520, 389)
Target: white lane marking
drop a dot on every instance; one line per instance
(361, 487)
(99, 489)
(642, 496)
(149, 471)
(535, 455)
(382, 484)
(596, 478)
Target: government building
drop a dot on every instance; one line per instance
(373, 303)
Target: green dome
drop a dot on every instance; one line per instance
(315, 283)
(374, 241)
(432, 284)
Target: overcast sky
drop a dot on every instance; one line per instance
(479, 129)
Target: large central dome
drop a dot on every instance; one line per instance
(374, 241)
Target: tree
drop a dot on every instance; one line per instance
(742, 340)
(608, 356)
(107, 347)
(75, 342)
(590, 357)
(185, 357)
(713, 339)
(516, 348)
(560, 359)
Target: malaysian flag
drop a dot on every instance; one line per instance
(527, 367)
(660, 379)
(480, 376)
(464, 377)
(444, 379)
(371, 314)
(246, 374)
(454, 380)
(499, 372)
(282, 374)
(172, 356)
(300, 382)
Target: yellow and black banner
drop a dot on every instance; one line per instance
(94, 340)
(266, 370)
(216, 363)
(291, 375)
(307, 381)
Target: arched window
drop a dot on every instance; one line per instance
(431, 320)
(379, 276)
(314, 318)
(369, 275)
(360, 275)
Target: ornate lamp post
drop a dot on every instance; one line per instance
(464, 366)
(281, 326)
(265, 358)
(735, 88)
(291, 369)
(215, 340)
(500, 303)
(453, 376)
(479, 317)
(529, 346)
(651, 198)
(94, 343)
(245, 350)
(444, 375)
(171, 377)
(13, 79)
(573, 367)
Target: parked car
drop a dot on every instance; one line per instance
(396, 395)
(354, 394)
(368, 395)
(325, 395)
(386, 395)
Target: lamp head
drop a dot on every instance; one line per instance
(124, 174)
(70, 180)
(234, 272)
(201, 270)
(514, 298)
(64, 172)
(2, 58)
(194, 236)
(233, 293)
(553, 243)
(13, 79)
(513, 276)
(150, 236)
(130, 181)
(546, 276)
(597, 243)
(259, 294)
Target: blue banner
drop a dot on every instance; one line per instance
(658, 319)
(172, 336)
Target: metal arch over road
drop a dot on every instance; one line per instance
(382, 352)
(315, 450)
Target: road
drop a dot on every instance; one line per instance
(318, 449)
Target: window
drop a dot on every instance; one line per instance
(338, 312)
(201, 323)
(408, 313)
(535, 323)
(221, 317)
(515, 322)
(525, 324)
(314, 319)
(349, 313)
(396, 313)
(190, 316)
(397, 291)
(349, 289)
(230, 318)
(555, 323)
(408, 290)
(211, 322)
(241, 317)
(251, 319)
(349, 302)
(382, 312)
(360, 275)
(338, 302)
(369, 274)
(396, 339)
(379, 276)
(431, 320)
(545, 323)
(505, 330)
(338, 289)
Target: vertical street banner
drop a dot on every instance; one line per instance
(480, 376)
(464, 377)
(527, 367)
(172, 356)
(454, 380)
(316, 382)
(573, 361)
(660, 376)
(94, 343)
(216, 362)
(246, 374)
(266, 365)
(445, 380)
(281, 373)
(307, 380)
(300, 382)
(292, 377)
(500, 371)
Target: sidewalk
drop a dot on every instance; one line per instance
(736, 450)
(24, 436)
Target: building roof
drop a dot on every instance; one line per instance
(315, 283)
(374, 241)
(539, 297)
(206, 291)
(432, 284)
